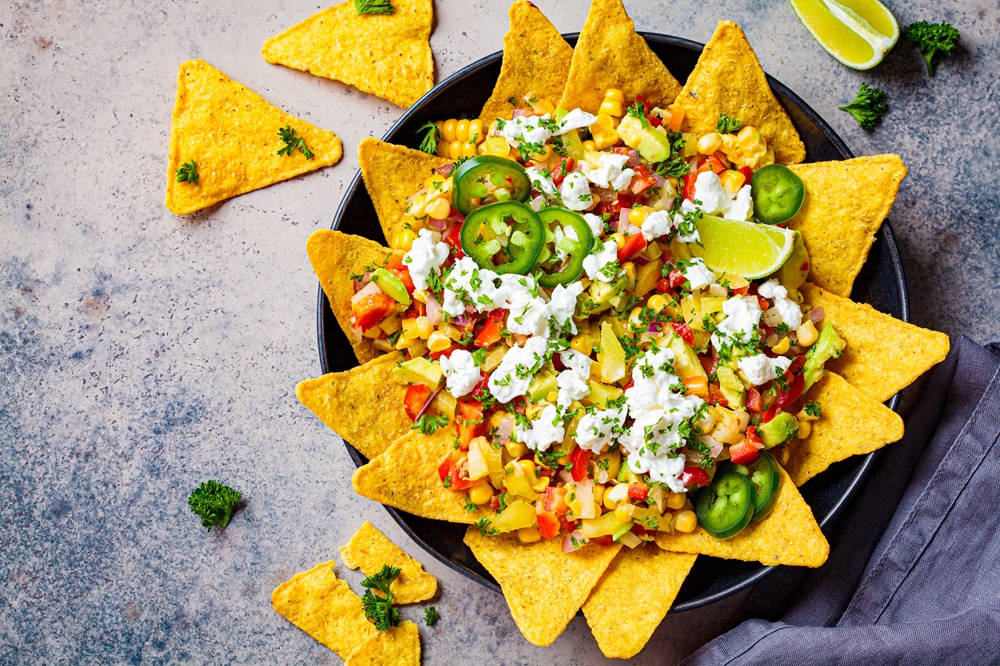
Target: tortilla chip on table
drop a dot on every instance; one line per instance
(543, 586)
(231, 134)
(388, 55)
(610, 54)
(400, 646)
(369, 549)
(729, 79)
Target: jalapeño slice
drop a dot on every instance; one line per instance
(503, 237)
(574, 245)
(726, 506)
(488, 177)
(765, 478)
(777, 194)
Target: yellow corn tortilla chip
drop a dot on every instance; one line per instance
(406, 477)
(369, 549)
(323, 606)
(392, 175)
(729, 79)
(846, 202)
(535, 58)
(544, 587)
(231, 133)
(388, 55)
(852, 423)
(400, 646)
(883, 354)
(633, 597)
(363, 405)
(788, 535)
(611, 54)
(335, 257)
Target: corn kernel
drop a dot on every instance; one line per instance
(611, 108)
(590, 146)
(443, 148)
(435, 182)
(604, 132)
(469, 149)
(783, 456)
(609, 503)
(529, 468)
(476, 134)
(709, 143)
(403, 239)
(438, 341)
(438, 209)
(629, 269)
(686, 521)
(781, 346)
(615, 94)
(676, 500)
(732, 181)
(529, 534)
(543, 106)
(638, 215)
(515, 449)
(456, 149)
(806, 333)
(424, 327)
(462, 130)
(657, 302)
(540, 485)
(448, 130)
(583, 343)
(804, 429)
(618, 238)
(481, 493)
(624, 512)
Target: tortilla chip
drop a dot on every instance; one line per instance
(883, 354)
(324, 607)
(406, 477)
(369, 549)
(645, 574)
(846, 202)
(400, 646)
(363, 405)
(392, 175)
(535, 59)
(388, 55)
(729, 79)
(335, 257)
(543, 586)
(231, 133)
(788, 535)
(611, 54)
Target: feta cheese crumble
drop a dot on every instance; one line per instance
(518, 366)
(791, 313)
(543, 432)
(575, 191)
(575, 119)
(595, 261)
(600, 428)
(572, 381)
(656, 224)
(426, 254)
(759, 369)
(542, 183)
(715, 199)
(609, 172)
(698, 274)
(742, 318)
(526, 129)
(461, 371)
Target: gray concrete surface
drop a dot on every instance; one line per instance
(141, 353)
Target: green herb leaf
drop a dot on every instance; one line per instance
(378, 609)
(373, 7)
(431, 616)
(429, 143)
(293, 143)
(727, 125)
(188, 173)
(215, 503)
(868, 107)
(428, 424)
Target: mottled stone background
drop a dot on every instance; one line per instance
(141, 353)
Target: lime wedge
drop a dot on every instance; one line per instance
(745, 248)
(858, 33)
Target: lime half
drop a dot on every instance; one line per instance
(744, 248)
(858, 33)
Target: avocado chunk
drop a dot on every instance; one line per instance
(571, 144)
(541, 386)
(795, 270)
(778, 430)
(391, 285)
(419, 371)
(653, 145)
(731, 387)
(603, 295)
(828, 345)
(626, 475)
(686, 363)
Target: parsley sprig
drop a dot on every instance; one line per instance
(293, 143)
(727, 125)
(428, 424)
(373, 7)
(429, 144)
(380, 609)
(188, 173)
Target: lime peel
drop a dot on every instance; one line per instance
(748, 249)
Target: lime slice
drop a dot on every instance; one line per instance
(744, 248)
(858, 33)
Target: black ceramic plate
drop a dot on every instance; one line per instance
(881, 283)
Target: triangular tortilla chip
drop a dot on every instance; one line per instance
(852, 423)
(846, 202)
(323, 606)
(544, 587)
(788, 535)
(611, 54)
(231, 133)
(388, 55)
(400, 646)
(363, 405)
(406, 477)
(392, 175)
(335, 257)
(729, 79)
(369, 549)
(535, 59)
(633, 597)
(883, 354)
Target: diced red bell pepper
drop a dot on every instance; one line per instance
(694, 475)
(747, 174)
(415, 399)
(743, 453)
(564, 167)
(689, 180)
(629, 385)
(444, 352)
(638, 491)
(370, 310)
(633, 245)
(624, 201)
(768, 414)
(708, 363)
(795, 386)
(754, 403)
(741, 291)
(642, 180)
(495, 502)
(555, 501)
(796, 365)
(454, 240)
(548, 524)
(640, 531)
(683, 330)
(663, 285)
(568, 525)
(396, 266)
(676, 278)
(752, 435)
(605, 540)
(655, 121)
(471, 423)
(715, 396)
(490, 333)
(579, 459)
(454, 473)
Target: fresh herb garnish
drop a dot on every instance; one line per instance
(428, 424)
(188, 173)
(431, 616)
(293, 143)
(638, 110)
(813, 409)
(484, 527)
(931, 39)
(215, 503)
(373, 7)
(429, 144)
(868, 107)
(377, 609)
(727, 125)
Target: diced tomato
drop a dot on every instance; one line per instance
(708, 363)
(742, 291)
(564, 167)
(642, 180)
(415, 399)
(694, 476)
(752, 435)
(639, 530)
(370, 310)
(754, 403)
(634, 244)
(444, 352)
(676, 278)
(689, 180)
(471, 423)
(638, 491)
(495, 502)
(630, 384)
(568, 525)
(715, 396)
(747, 174)
(743, 453)
(445, 467)
(396, 266)
(454, 240)
(603, 540)
(548, 524)
(796, 365)
(684, 331)
(795, 386)
(655, 121)
(768, 414)
(490, 333)
(663, 285)
(579, 459)
(555, 501)
(454, 473)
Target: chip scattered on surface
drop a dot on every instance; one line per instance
(388, 55)
(231, 134)
(611, 54)
(335, 257)
(883, 354)
(392, 174)
(323, 606)
(788, 535)
(543, 586)
(363, 405)
(535, 58)
(853, 423)
(633, 597)
(729, 79)
(846, 203)
(400, 646)
(369, 549)
(406, 477)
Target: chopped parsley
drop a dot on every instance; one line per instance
(727, 125)
(373, 7)
(429, 142)
(188, 173)
(431, 616)
(428, 424)
(813, 409)
(484, 527)
(293, 143)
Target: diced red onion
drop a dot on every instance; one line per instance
(358, 285)
(520, 113)
(461, 320)
(715, 448)
(565, 476)
(772, 317)
(455, 216)
(624, 226)
(438, 224)
(633, 158)
(569, 539)
(639, 260)
(427, 404)
(771, 340)
(357, 333)
(659, 179)
(816, 315)
(656, 327)
(433, 310)
(368, 290)
(445, 170)
(504, 430)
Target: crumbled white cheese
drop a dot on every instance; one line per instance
(426, 254)
(562, 304)
(575, 119)
(598, 430)
(542, 183)
(698, 274)
(596, 225)
(759, 369)
(543, 432)
(715, 199)
(609, 172)
(461, 372)
(469, 285)
(517, 368)
(525, 129)
(742, 318)
(656, 224)
(572, 381)
(595, 261)
(575, 191)
(791, 313)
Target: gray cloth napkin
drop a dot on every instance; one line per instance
(914, 571)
